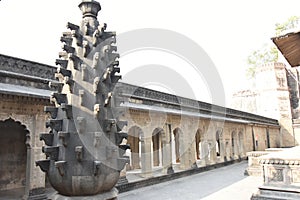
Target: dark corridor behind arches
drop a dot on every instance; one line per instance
(13, 155)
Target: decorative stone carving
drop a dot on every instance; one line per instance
(86, 153)
(25, 67)
(275, 175)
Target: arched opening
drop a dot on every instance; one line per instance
(134, 140)
(233, 144)
(13, 155)
(218, 144)
(198, 143)
(157, 146)
(177, 132)
(268, 138)
(200, 148)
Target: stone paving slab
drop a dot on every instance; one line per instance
(224, 183)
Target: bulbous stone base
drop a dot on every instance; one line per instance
(111, 195)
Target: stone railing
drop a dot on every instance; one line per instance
(254, 161)
(254, 167)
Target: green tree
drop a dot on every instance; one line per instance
(268, 52)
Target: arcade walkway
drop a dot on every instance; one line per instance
(224, 183)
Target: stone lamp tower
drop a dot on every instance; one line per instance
(84, 148)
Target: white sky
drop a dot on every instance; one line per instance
(227, 30)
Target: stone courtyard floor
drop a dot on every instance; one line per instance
(220, 184)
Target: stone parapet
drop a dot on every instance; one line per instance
(254, 167)
(254, 161)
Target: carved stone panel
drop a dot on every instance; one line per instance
(296, 176)
(275, 175)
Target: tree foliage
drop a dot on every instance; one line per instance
(291, 23)
(268, 52)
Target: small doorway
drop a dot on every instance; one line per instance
(13, 156)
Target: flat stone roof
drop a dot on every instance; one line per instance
(24, 91)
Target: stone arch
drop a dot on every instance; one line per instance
(14, 145)
(135, 135)
(157, 136)
(177, 133)
(218, 142)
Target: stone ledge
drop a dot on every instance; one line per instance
(276, 192)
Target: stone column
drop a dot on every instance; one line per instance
(183, 151)
(212, 151)
(204, 153)
(227, 149)
(35, 178)
(28, 171)
(146, 157)
(222, 150)
(167, 152)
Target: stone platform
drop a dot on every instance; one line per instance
(254, 167)
(281, 174)
(111, 195)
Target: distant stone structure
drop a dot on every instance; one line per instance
(276, 95)
(279, 86)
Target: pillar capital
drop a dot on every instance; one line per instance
(89, 8)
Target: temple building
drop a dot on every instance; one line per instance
(166, 132)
